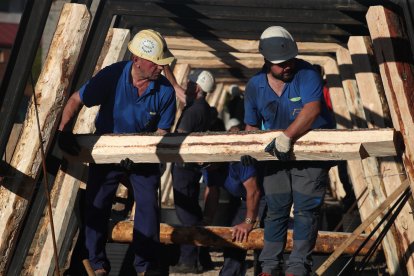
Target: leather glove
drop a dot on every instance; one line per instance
(126, 165)
(247, 160)
(67, 142)
(280, 147)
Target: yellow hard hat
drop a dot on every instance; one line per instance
(150, 45)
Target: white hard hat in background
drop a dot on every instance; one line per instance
(232, 123)
(277, 45)
(150, 45)
(204, 79)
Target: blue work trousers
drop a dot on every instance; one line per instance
(303, 186)
(186, 184)
(101, 188)
(234, 258)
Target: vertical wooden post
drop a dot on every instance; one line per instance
(383, 175)
(344, 121)
(392, 52)
(16, 193)
(68, 179)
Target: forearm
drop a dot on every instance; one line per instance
(252, 198)
(304, 120)
(179, 91)
(70, 110)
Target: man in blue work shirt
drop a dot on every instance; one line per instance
(246, 208)
(186, 176)
(133, 97)
(287, 94)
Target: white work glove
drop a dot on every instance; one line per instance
(280, 147)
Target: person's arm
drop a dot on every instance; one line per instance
(71, 109)
(241, 231)
(179, 91)
(304, 120)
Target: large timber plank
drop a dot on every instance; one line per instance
(214, 236)
(218, 147)
(69, 178)
(16, 193)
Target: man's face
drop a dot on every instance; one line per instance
(283, 71)
(149, 69)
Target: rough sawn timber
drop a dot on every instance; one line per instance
(222, 147)
(16, 192)
(71, 176)
(214, 236)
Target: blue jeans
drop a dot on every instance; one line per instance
(303, 186)
(101, 188)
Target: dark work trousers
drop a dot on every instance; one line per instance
(303, 185)
(234, 258)
(186, 184)
(102, 184)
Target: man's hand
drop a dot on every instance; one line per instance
(280, 147)
(68, 143)
(247, 160)
(240, 232)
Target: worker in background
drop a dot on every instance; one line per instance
(236, 104)
(287, 94)
(246, 206)
(133, 97)
(186, 176)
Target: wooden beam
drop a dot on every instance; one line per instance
(373, 181)
(16, 192)
(240, 45)
(219, 147)
(392, 51)
(203, 59)
(213, 236)
(350, 87)
(70, 177)
(394, 58)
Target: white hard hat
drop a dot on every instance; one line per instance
(277, 45)
(232, 123)
(204, 79)
(150, 45)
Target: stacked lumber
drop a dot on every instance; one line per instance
(50, 92)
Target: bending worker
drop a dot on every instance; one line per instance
(133, 97)
(247, 204)
(287, 94)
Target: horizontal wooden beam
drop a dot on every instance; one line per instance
(231, 60)
(169, 9)
(222, 147)
(213, 236)
(240, 45)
